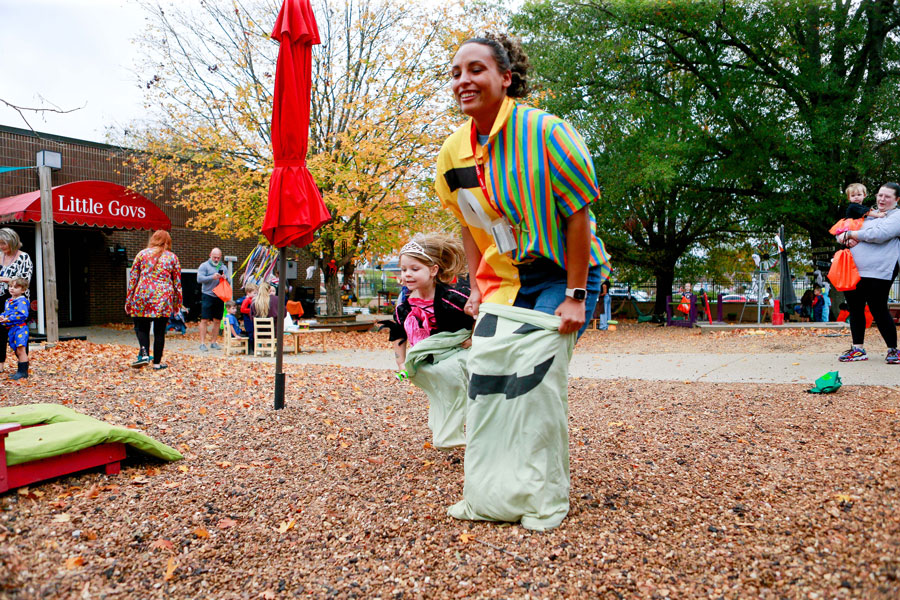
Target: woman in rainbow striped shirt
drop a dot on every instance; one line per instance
(521, 182)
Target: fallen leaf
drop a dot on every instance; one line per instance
(375, 460)
(465, 538)
(224, 464)
(62, 518)
(834, 512)
(201, 533)
(267, 595)
(74, 561)
(226, 523)
(170, 569)
(182, 468)
(162, 544)
(286, 526)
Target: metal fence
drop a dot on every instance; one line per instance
(741, 285)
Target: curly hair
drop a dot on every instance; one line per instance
(509, 56)
(443, 250)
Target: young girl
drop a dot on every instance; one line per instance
(266, 302)
(432, 333)
(428, 263)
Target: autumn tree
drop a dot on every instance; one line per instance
(704, 116)
(379, 111)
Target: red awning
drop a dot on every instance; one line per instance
(92, 203)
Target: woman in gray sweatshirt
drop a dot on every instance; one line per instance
(876, 250)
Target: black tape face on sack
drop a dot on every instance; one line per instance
(487, 326)
(527, 328)
(512, 385)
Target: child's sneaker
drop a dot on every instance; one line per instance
(854, 354)
(142, 359)
(892, 357)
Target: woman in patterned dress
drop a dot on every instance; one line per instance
(154, 295)
(13, 263)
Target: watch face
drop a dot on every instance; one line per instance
(579, 293)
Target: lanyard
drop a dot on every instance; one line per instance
(479, 172)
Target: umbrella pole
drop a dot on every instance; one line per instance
(279, 331)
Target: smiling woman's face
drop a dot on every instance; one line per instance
(477, 82)
(886, 199)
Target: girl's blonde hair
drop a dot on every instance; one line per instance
(856, 187)
(261, 302)
(439, 249)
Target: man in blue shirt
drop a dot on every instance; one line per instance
(209, 274)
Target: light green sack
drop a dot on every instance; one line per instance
(437, 365)
(517, 451)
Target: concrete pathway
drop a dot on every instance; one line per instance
(772, 367)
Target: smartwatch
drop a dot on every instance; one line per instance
(578, 294)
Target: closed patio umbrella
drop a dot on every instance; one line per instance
(786, 295)
(295, 209)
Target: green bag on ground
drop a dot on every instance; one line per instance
(827, 383)
(437, 365)
(517, 450)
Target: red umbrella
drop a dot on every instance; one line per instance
(295, 207)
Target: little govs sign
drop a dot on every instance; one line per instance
(90, 206)
(93, 203)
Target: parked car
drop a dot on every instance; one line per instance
(738, 298)
(623, 293)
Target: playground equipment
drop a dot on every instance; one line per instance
(690, 319)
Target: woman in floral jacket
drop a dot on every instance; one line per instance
(154, 295)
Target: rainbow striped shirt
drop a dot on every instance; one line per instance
(538, 172)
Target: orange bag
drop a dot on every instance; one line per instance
(843, 273)
(684, 306)
(223, 290)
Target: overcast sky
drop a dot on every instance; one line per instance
(72, 53)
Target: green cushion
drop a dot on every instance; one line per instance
(32, 414)
(68, 431)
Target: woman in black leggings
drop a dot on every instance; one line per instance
(876, 250)
(154, 295)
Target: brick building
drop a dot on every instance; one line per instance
(92, 260)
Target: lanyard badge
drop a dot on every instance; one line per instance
(500, 228)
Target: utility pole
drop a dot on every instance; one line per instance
(47, 161)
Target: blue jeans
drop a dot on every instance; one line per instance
(606, 314)
(543, 288)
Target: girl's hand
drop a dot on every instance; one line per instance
(466, 344)
(572, 314)
(473, 303)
